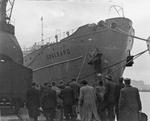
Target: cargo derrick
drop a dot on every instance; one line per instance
(15, 79)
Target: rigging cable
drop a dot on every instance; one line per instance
(135, 57)
(125, 33)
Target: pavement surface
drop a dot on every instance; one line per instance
(23, 116)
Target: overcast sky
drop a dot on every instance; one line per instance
(71, 14)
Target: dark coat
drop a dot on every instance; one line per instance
(67, 96)
(129, 104)
(76, 89)
(33, 98)
(49, 99)
(118, 89)
(110, 92)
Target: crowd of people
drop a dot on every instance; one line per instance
(105, 101)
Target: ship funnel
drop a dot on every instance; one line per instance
(3, 4)
(148, 44)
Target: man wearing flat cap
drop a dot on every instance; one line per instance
(129, 102)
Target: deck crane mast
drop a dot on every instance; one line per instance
(6, 7)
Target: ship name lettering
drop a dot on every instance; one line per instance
(58, 53)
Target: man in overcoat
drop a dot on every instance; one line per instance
(49, 103)
(76, 90)
(110, 97)
(33, 102)
(129, 103)
(68, 98)
(87, 103)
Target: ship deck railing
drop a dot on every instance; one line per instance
(49, 40)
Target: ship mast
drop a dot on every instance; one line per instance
(118, 9)
(6, 7)
(42, 29)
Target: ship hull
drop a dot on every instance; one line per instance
(70, 57)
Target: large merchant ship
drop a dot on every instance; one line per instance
(91, 49)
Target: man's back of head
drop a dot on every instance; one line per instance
(53, 83)
(84, 82)
(100, 83)
(99, 77)
(127, 81)
(73, 80)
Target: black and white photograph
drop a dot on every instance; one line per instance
(74, 60)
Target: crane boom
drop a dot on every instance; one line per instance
(6, 7)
